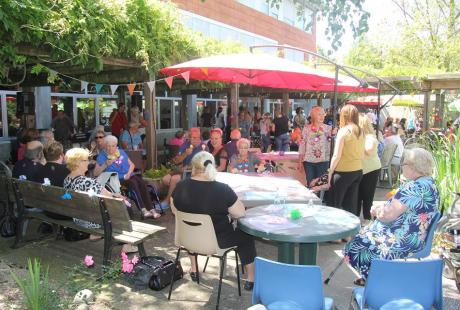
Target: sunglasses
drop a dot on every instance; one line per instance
(99, 137)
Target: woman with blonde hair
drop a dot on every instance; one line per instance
(371, 168)
(315, 146)
(346, 167)
(202, 194)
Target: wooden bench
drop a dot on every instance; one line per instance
(110, 213)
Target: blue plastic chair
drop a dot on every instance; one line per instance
(425, 252)
(418, 282)
(289, 287)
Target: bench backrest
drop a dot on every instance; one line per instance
(81, 205)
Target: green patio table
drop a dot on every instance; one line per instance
(317, 224)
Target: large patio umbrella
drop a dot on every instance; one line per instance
(255, 69)
(347, 84)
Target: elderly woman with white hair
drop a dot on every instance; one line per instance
(243, 161)
(113, 159)
(202, 194)
(402, 223)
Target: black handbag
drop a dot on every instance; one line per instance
(154, 272)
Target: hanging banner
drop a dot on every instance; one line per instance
(84, 86)
(113, 89)
(131, 88)
(205, 71)
(169, 81)
(98, 88)
(186, 76)
(151, 86)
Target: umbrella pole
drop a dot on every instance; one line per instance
(234, 98)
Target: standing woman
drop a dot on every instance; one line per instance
(346, 167)
(371, 169)
(315, 146)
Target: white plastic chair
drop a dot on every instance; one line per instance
(195, 234)
(387, 155)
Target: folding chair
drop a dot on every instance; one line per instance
(387, 155)
(417, 284)
(286, 286)
(195, 234)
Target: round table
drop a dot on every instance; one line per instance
(317, 224)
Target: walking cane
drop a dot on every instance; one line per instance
(334, 271)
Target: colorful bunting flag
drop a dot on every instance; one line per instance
(169, 81)
(84, 86)
(205, 71)
(186, 76)
(151, 86)
(98, 88)
(131, 88)
(113, 89)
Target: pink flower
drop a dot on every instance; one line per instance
(423, 217)
(89, 262)
(135, 260)
(127, 267)
(124, 257)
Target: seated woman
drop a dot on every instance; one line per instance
(97, 143)
(113, 159)
(217, 150)
(201, 194)
(402, 222)
(243, 161)
(77, 160)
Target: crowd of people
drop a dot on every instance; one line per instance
(352, 168)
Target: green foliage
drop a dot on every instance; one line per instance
(36, 288)
(83, 32)
(157, 173)
(429, 42)
(446, 154)
(337, 13)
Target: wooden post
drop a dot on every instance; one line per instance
(426, 101)
(150, 132)
(234, 97)
(285, 109)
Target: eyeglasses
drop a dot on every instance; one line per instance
(99, 137)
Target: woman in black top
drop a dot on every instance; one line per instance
(217, 150)
(201, 194)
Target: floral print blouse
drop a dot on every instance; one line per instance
(403, 236)
(316, 143)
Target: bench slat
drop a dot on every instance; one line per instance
(118, 214)
(48, 198)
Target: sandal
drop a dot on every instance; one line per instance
(155, 214)
(359, 282)
(147, 214)
(248, 286)
(194, 276)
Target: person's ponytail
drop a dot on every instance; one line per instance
(210, 170)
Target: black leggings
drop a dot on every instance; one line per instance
(139, 186)
(366, 193)
(246, 247)
(344, 194)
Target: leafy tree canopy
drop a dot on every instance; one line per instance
(429, 41)
(83, 32)
(338, 14)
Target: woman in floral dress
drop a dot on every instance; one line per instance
(315, 146)
(401, 223)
